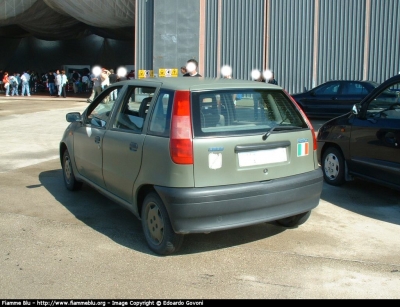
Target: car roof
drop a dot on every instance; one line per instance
(361, 81)
(200, 83)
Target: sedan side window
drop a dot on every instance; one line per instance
(100, 112)
(354, 88)
(328, 89)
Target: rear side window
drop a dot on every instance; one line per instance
(354, 88)
(161, 116)
(243, 112)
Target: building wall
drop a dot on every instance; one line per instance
(305, 42)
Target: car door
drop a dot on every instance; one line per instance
(322, 101)
(88, 139)
(375, 138)
(350, 93)
(123, 143)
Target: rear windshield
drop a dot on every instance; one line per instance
(243, 112)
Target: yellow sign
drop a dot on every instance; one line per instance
(145, 74)
(168, 72)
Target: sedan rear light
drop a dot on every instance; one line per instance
(181, 144)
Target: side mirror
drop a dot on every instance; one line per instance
(356, 109)
(73, 117)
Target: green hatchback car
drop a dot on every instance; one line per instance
(195, 155)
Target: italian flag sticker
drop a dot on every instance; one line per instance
(302, 149)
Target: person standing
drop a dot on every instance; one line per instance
(25, 84)
(113, 77)
(272, 79)
(97, 89)
(75, 81)
(64, 81)
(85, 83)
(58, 83)
(191, 68)
(1, 83)
(33, 79)
(14, 84)
(131, 75)
(19, 84)
(51, 79)
(105, 79)
(6, 83)
(183, 70)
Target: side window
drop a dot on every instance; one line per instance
(100, 112)
(134, 107)
(160, 118)
(354, 88)
(328, 89)
(387, 103)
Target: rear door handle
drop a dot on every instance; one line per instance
(133, 146)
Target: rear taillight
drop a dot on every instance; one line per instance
(315, 146)
(181, 145)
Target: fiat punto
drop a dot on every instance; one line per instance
(195, 155)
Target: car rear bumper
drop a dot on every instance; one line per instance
(198, 210)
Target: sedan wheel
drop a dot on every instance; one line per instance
(157, 227)
(333, 166)
(68, 173)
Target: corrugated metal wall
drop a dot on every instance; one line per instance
(235, 37)
(384, 42)
(212, 30)
(144, 32)
(341, 40)
(308, 42)
(305, 42)
(291, 44)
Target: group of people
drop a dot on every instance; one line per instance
(103, 78)
(18, 84)
(57, 82)
(27, 83)
(190, 70)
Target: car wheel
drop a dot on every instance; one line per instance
(157, 227)
(333, 166)
(68, 173)
(295, 220)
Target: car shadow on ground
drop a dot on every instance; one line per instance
(123, 227)
(365, 198)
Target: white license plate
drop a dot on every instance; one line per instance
(260, 157)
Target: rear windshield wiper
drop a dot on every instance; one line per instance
(278, 127)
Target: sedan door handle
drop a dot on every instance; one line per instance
(133, 146)
(97, 140)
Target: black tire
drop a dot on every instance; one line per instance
(333, 166)
(294, 221)
(157, 227)
(68, 173)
